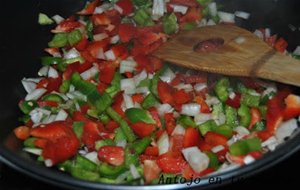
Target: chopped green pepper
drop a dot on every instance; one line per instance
(115, 86)
(49, 60)
(89, 29)
(83, 174)
(30, 142)
(44, 19)
(53, 97)
(213, 160)
(131, 157)
(66, 166)
(170, 24)
(224, 129)
(142, 17)
(250, 100)
(78, 128)
(221, 89)
(74, 37)
(104, 118)
(85, 164)
(259, 126)
(231, 116)
(27, 106)
(65, 86)
(243, 147)
(149, 101)
(245, 115)
(104, 142)
(207, 126)
(59, 40)
(186, 121)
(119, 135)
(140, 145)
(190, 26)
(110, 171)
(139, 115)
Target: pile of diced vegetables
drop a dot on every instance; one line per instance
(104, 109)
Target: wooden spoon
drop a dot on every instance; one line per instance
(242, 54)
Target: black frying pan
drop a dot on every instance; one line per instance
(22, 41)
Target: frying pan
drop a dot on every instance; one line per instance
(21, 44)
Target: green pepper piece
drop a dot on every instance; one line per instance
(73, 60)
(224, 129)
(254, 144)
(207, 126)
(241, 88)
(259, 126)
(204, 2)
(115, 86)
(139, 115)
(44, 19)
(24, 119)
(65, 86)
(221, 89)
(140, 145)
(263, 110)
(190, 26)
(109, 171)
(30, 142)
(250, 100)
(49, 60)
(170, 24)
(66, 166)
(231, 116)
(142, 17)
(243, 147)
(264, 100)
(149, 101)
(53, 97)
(78, 128)
(89, 29)
(131, 157)
(213, 160)
(104, 118)
(27, 106)
(154, 81)
(104, 142)
(85, 164)
(245, 115)
(59, 40)
(83, 174)
(144, 83)
(217, 109)
(119, 135)
(74, 37)
(139, 3)
(186, 121)
(130, 136)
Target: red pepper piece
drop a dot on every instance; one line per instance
(191, 137)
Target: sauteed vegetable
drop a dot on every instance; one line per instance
(105, 110)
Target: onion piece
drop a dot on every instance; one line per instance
(35, 94)
(100, 36)
(35, 151)
(92, 156)
(200, 86)
(164, 108)
(134, 172)
(128, 102)
(52, 72)
(118, 8)
(115, 39)
(158, 9)
(122, 143)
(128, 86)
(191, 109)
(110, 55)
(241, 131)
(179, 8)
(72, 53)
(297, 51)
(178, 130)
(249, 159)
(259, 34)
(286, 129)
(163, 143)
(226, 17)
(212, 7)
(43, 71)
(217, 149)
(196, 159)
(168, 75)
(61, 115)
(91, 72)
(139, 77)
(58, 19)
(202, 118)
(128, 66)
(242, 14)
(29, 86)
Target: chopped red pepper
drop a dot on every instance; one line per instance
(126, 6)
(191, 137)
(165, 92)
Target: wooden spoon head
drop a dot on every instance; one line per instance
(232, 58)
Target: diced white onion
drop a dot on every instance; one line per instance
(163, 143)
(92, 156)
(249, 159)
(286, 129)
(61, 115)
(297, 51)
(72, 53)
(168, 76)
(122, 143)
(128, 86)
(212, 7)
(35, 151)
(221, 119)
(76, 95)
(115, 39)
(128, 101)
(259, 34)
(139, 77)
(134, 172)
(52, 72)
(191, 109)
(271, 143)
(217, 148)
(267, 33)
(100, 36)
(48, 163)
(200, 86)
(121, 178)
(211, 100)
(118, 8)
(178, 130)
(35, 94)
(179, 8)
(240, 40)
(228, 167)
(241, 131)
(58, 19)
(43, 71)
(196, 159)
(270, 89)
(29, 86)
(226, 17)
(164, 108)
(128, 66)
(185, 87)
(211, 22)
(158, 9)
(48, 119)
(202, 118)
(110, 55)
(91, 72)
(100, 54)
(242, 14)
